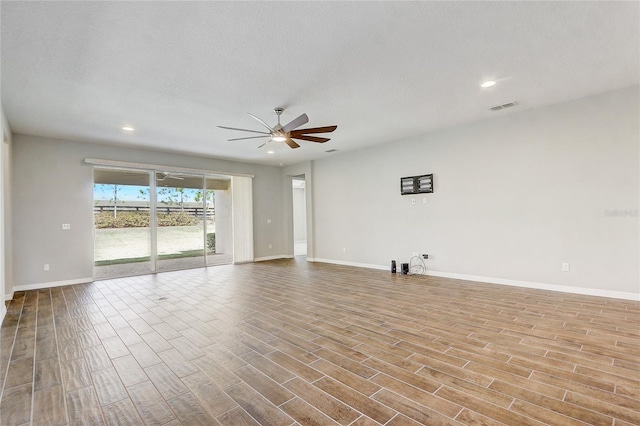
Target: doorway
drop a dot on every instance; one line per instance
(299, 196)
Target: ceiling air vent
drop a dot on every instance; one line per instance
(503, 106)
(331, 150)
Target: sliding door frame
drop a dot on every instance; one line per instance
(241, 194)
(153, 221)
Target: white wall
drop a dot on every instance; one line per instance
(299, 214)
(5, 209)
(52, 186)
(515, 197)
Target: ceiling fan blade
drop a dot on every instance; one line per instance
(325, 129)
(249, 137)
(302, 119)
(291, 143)
(311, 138)
(166, 175)
(261, 121)
(244, 130)
(264, 144)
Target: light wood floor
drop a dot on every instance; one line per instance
(287, 342)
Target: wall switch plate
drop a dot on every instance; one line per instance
(413, 201)
(344, 249)
(46, 266)
(66, 226)
(565, 267)
(270, 246)
(268, 220)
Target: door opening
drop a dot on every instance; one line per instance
(298, 186)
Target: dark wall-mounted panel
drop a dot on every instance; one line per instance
(422, 184)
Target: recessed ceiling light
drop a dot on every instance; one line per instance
(269, 152)
(488, 83)
(128, 128)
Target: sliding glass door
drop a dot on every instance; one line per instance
(122, 237)
(155, 221)
(180, 221)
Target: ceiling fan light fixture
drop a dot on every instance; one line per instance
(286, 133)
(488, 83)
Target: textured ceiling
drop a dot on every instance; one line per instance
(381, 71)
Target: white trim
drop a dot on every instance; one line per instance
(3, 312)
(39, 286)
(501, 281)
(346, 263)
(153, 221)
(540, 286)
(145, 166)
(9, 296)
(277, 256)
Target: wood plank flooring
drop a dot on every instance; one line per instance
(288, 342)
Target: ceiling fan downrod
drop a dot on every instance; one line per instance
(278, 111)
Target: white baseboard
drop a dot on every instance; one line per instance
(540, 286)
(491, 280)
(277, 256)
(343, 262)
(3, 312)
(50, 284)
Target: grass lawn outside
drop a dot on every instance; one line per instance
(127, 245)
(122, 252)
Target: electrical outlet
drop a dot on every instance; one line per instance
(270, 246)
(268, 221)
(413, 201)
(565, 267)
(46, 266)
(344, 249)
(66, 226)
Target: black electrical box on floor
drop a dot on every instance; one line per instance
(405, 268)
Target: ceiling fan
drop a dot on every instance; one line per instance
(286, 133)
(161, 176)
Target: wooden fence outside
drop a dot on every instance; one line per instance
(191, 210)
